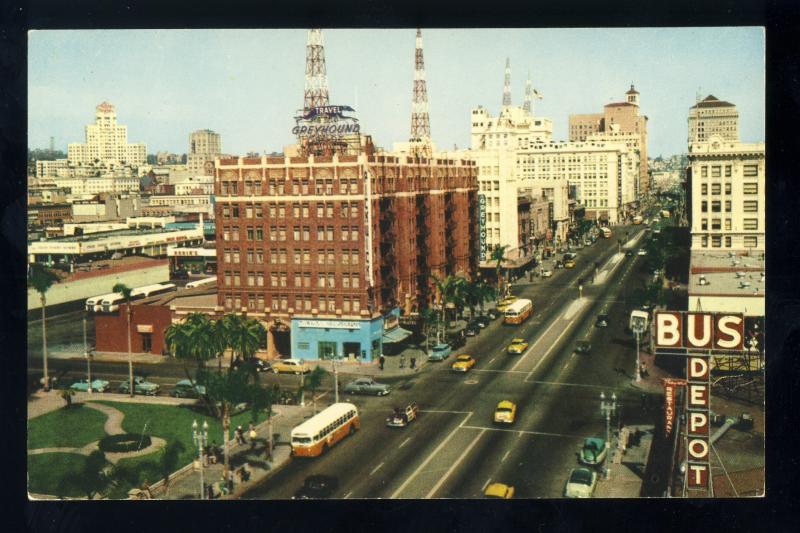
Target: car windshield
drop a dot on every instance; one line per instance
(463, 358)
(581, 476)
(503, 409)
(602, 317)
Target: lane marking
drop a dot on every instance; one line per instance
(529, 350)
(348, 494)
(553, 345)
(404, 442)
(522, 431)
(455, 465)
(485, 484)
(449, 412)
(492, 359)
(505, 456)
(499, 371)
(376, 469)
(564, 384)
(414, 474)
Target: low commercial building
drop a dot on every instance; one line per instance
(727, 282)
(43, 215)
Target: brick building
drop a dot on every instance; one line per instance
(334, 248)
(42, 215)
(148, 323)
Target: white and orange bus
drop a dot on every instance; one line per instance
(519, 311)
(319, 433)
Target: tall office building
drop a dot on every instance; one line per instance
(204, 147)
(712, 116)
(624, 115)
(106, 143)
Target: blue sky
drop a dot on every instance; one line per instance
(247, 84)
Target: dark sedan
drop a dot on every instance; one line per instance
(317, 486)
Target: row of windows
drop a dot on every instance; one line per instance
(259, 302)
(324, 280)
(748, 206)
(748, 171)
(295, 187)
(750, 241)
(298, 210)
(299, 256)
(716, 188)
(279, 233)
(748, 224)
(337, 423)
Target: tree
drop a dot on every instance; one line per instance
(91, 479)
(450, 291)
(41, 279)
(476, 293)
(168, 461)
(313, 381)
(499, 257)
(125, 291)
(66, 395)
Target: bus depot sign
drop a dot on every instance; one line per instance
(326, 122)
(698, 404)
(699, 331)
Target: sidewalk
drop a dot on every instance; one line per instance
(626, 465)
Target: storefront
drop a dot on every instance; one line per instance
(355, 340)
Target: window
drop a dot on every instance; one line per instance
(727, 171)
(727, 206)
(727, 224)
(727, 241)
(249, 211)
(260, 279)
(251, 279)
(321, 257)
(306, 233)
(331, 257)
(259, 233)
(250, 257)
(329, 209)
(273, 279)
(716, 241)
(281, 210)
(342, 186)
(750, 171)
(716, 171)
(305, 210)
(704, 224)
(704, 188)
(236, 256)
(356, 305)
(354, 210)
(345, 233)
(750, 188)
(750, 241)
(716, 188)
(704, 206)
(321, 280)
(235, 211)
(354, 233)
(296, 210)
(273, 233)
(307, 284)
(236, 279)
(750, 224)
(296, 255)
(306, 256)
(296, 233)
(235, 233)
(716, 206)
(750, 206)
(331, 280)
(295, 186)
(353, 186)
(704, 241)
(250, 233)
(273, 212)
(354, 281)
(273, 257)
(716, 224)
(704, 172)
(354, 257)
(727, 188)
(320, 210)
(259, 211)
(281, 233)
(282, 256)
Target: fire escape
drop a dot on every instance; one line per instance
(423, 250)
(388, 262)
(451, 228)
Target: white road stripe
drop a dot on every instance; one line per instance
(455, 465)
(449, 412)
(414, 474)
(492, 359)
(376, 469)
(523, 432)
(555, 343)
(529, 350)
(404, 443)
(505, 456)
(348, 494)
(485, 484)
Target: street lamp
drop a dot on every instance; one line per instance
(607, 408)
(200, 438)
(88, 357)
(336, 380)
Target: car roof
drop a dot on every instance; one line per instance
(582, 475)
(517, 339)
(505, 403)
(498, 490)
(441, 346)
(464, 356)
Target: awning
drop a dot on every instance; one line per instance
(395, 335)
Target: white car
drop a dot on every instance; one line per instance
(547, 273)
(641, 251)
(581, 483)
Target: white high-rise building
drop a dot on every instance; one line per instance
(106, 143)
(204, 147)
(712, 116)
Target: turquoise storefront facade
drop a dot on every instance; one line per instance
(317, 338)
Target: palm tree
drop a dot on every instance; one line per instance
(475, 294)
(125, 291)
(499, 257)
(41, 280)
(313, 381)
(168, 462)
(450, 290)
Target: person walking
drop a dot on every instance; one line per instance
(251, 432)
(413, 362)
(402, 361)
(239, 435)
(381, 361)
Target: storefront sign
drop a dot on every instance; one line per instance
(368, 227)
(705, 331)
(698, 403)
(482, 224)
(333, 324)
(670, 390)
(144, 328)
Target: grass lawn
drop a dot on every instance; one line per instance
(73, 427)
(45, 472)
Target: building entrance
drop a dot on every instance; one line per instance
(326, 350)
(352, 349)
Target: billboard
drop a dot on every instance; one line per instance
(699, 331)
(482, 224)
(326, 122)
(698, 405)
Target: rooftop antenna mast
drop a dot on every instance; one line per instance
(507, 84)
(316, 89)
(420, 118)
(527, 104)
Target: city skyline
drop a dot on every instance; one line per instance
(171, 96)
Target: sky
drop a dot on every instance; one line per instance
(248, 84)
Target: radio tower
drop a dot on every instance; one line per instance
(316, 90)
(527, 105)
(507, 85)
(420, 119)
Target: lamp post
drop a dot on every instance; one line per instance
(200, 438)
(638, 329)
(336, 380)
(88, 359)
(607, 408)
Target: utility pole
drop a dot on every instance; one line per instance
(336, 380)
(507, 84)
(607, 408)
(88, 359)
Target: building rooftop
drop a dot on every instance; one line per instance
(729, 274)
(116, 233)
(711, 101)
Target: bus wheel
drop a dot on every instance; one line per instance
(352, 429)
(325, 447)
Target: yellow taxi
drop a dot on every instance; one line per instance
(463, 363)
(569, 263)
(503, 304)
(505, 413)
(517, 346)
(499, 490)
(290, 366)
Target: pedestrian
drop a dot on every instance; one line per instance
(239, 435)
(643, 399)
(413, 362)
(402, 361)
(382, 361)
(252, 434)
(643, 370)
(210, 491)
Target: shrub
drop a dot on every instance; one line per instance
(126, 442)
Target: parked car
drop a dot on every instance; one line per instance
(403, 416)
(629, 253)
(505, 412)
(547, 273)
(471, 330)
(482, 321)
(290, 366)
(185, 389)
(593, 452)
(493, 314)
(457, 341)
(641, 251)
(559, 264)
(140, 386)
(583, 346)
(367, 386)
(569, 263)
(463, 363)
(259, 365)
(580, 483)
(499, 490)
(98, 385)
(517, 346)
(602, 321)
(440, 352)
(316, 487)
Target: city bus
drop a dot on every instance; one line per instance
(111, 303)
(519, 311)
(605, 232)
(206, 282)
(637, 220)
(95, 303)
(322, 431)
